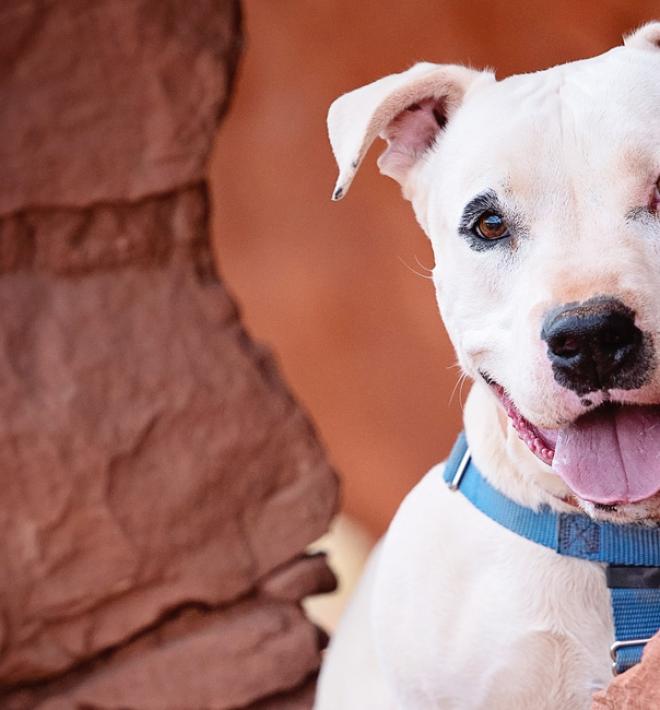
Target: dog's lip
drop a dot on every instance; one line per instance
(539, 441)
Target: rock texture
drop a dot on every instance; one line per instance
(637, 688)
(159, 483)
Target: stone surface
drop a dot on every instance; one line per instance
(112, 99)
(303, 577)
(159, 482)
(637, 688)
(200, 659)
(300, 699)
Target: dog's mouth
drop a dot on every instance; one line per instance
(609, 456)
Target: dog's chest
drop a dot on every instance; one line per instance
(469, 615)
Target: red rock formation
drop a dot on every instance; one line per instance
(159, 482)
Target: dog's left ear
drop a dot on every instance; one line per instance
(645, 37)
(408, 110)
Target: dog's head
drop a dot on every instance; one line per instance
(540, 195)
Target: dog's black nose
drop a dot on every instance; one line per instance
(595, 346)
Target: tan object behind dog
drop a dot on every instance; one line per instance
(638, 688)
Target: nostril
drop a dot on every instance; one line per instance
(565, 346)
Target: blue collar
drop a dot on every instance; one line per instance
(632, 552)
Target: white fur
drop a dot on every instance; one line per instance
(454, 610)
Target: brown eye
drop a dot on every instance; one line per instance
(491, 226)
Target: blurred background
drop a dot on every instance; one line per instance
(339, 291)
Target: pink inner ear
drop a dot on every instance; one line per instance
(410, 135)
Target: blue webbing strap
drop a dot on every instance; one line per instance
(636, 618)
(636, 609)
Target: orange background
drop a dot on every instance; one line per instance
(331, 287)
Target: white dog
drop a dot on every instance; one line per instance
(540, 195)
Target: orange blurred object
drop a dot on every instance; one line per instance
(340, 290)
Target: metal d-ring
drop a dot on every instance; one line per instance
(618, 645)
(460, 471)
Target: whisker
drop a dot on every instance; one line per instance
(459, 383)
(461, 399)
(417, 273)
(421, 266)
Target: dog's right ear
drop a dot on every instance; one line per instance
(408, 110)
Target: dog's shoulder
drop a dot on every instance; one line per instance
(456, 591)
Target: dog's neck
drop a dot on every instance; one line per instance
(505, 460)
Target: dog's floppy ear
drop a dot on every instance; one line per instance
(408, 110)
(645, 37)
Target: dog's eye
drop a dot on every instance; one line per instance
(491, 226)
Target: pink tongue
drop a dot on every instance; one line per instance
(611, 455)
